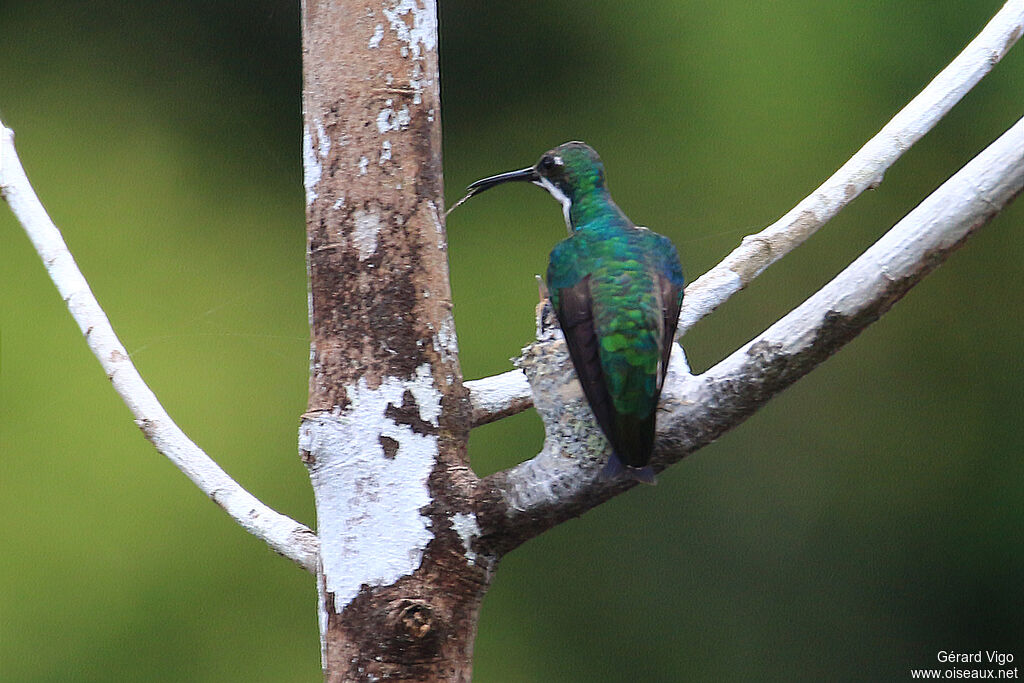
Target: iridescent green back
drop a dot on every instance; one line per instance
(616, 290)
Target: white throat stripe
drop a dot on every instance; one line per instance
(562, 199)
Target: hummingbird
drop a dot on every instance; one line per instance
(616, 290)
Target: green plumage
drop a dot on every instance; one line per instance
(616, 290)
(624, 270)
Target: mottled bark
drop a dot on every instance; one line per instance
(385, 433)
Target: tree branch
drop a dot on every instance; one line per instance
(562, 482)
(283, 534)
(500, 396)
(506, 394)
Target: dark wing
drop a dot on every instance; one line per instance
(671, 301)
(576, 317)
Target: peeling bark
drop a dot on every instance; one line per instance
(385, 433)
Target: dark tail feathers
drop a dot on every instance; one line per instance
(614, 469)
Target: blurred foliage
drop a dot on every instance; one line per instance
(861, 522)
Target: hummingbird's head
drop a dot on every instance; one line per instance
(568, 172)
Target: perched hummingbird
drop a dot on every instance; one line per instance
(616, 289)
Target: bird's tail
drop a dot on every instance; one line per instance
(614, 469)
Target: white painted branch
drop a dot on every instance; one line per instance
(562, 480)
(506, 394)
(284, 535)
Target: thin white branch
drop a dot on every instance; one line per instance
(562, 480)
(863, 171)
(284, 535)
(501, 395)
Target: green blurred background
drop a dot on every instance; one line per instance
(864, 520)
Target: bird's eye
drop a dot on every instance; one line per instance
(550, 163)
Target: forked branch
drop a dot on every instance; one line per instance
(561, 482)
(506, 394)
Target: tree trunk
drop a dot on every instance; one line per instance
(385, 434)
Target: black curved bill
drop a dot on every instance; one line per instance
(525, 174)
(528, 174)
